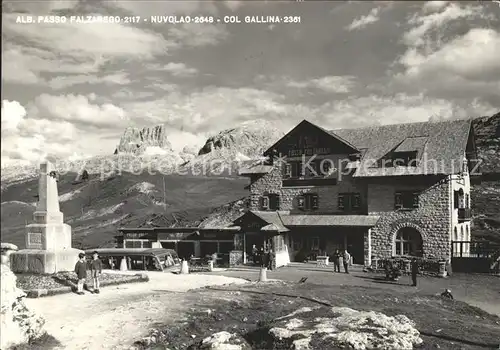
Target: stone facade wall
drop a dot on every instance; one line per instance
(432, 219)
(327, 195)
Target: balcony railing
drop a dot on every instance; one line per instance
(464, 214)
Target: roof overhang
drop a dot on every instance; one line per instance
(330, 220)
(255, 170)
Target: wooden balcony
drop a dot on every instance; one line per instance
(464, 214)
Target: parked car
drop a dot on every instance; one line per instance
(137, 258)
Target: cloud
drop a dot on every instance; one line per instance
(155, 8)
(78, 109)
(363, 21)
(70, 80)
(12, 115)
(433, 6)
(472, 56)
(214, 108)
(233, 5)
(197, 35)
(423, 24)
(176, 69)
(401, 108)
(71, 47)
(336, 84)
(27, 139)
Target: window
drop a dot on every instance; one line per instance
(297, 170)
(406, 200)
(349, 201)
(264, 202)
(404, 159)
(137, 243)
(462, 236)
(467, 200)
(274, 201)
(408, 242)
(309, 201)
(270, 201)
(460, 200)
(288, 170)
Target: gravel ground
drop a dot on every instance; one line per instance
(121, 314)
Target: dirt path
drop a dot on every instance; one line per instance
(120, 315)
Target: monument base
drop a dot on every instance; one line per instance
(44, 261)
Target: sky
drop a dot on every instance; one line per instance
(70, 89)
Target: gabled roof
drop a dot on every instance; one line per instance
(306, 122)
(445, 145)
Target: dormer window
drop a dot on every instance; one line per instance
(404, 159)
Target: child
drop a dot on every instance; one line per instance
(81, 273)
(96, 270)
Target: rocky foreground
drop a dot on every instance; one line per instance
(19, 324)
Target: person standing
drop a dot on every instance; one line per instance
(81, 273)
(414, 271)
(347, 261)
(270, 259)
(255, 252)
(336, 261)
(95, 271)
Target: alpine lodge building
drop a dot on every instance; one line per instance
(379, 192)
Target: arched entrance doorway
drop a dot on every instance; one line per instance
(408, 241)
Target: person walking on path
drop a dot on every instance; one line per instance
(81, 273)
(336, 261)
(347, 261)
(414, 271)
(95, 271)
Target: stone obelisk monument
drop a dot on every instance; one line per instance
(48, 238)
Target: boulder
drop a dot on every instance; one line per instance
(342, 327)
(19, 325)
(224, 341)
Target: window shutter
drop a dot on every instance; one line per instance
(288, 170)
(315, 201)
(301, 202)
(356, 203)
(467, 200)
(456, 195)
(415, 200)
(264, 202)
(341, 202)
(300, 169)
(398, 200)
(274, 201)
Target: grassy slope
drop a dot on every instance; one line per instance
(98, 208)
(485, 196)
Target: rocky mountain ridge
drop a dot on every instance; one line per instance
(137, 142)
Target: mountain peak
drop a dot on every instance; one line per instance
(136, 141)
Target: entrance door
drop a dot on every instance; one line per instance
(185, 250)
